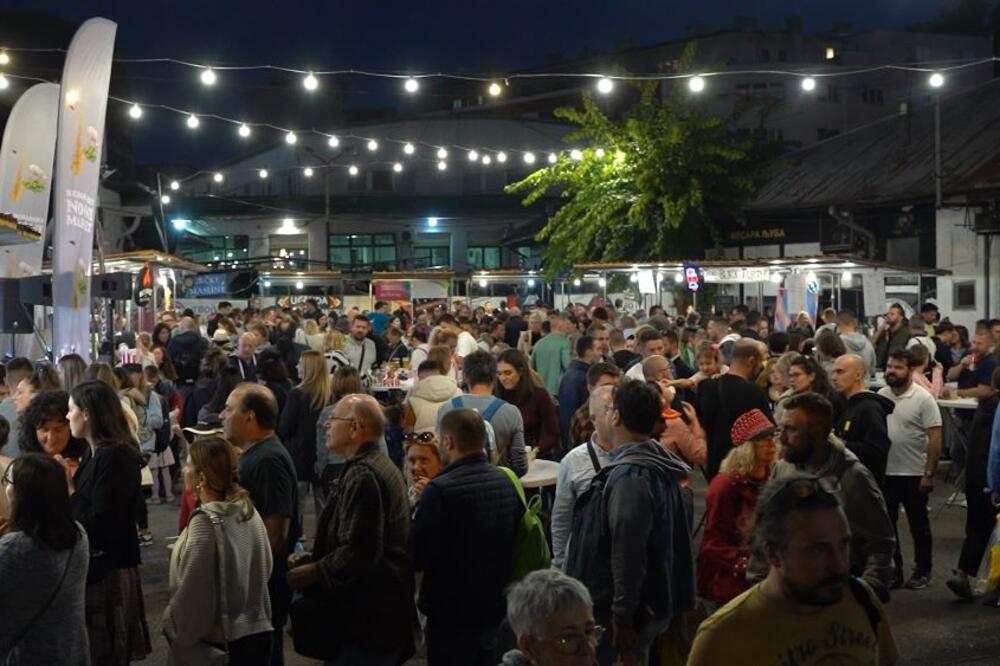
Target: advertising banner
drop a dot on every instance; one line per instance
(86, 75)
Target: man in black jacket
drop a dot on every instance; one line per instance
(186, 350)
(862, 425)
(464, 529)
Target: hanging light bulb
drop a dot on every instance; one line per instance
(397, 167)
(193, 121)
(409, 149)
(696, 84)
(473, 156)
(602, 283)
(262, 173)
(776, 278)
(577, 282)
(333, 142)
(372, 145)
(936, 80)
(442, 153)
(553, 158)
(529, 158)
(307, 172)
(411, 85)
(576, 154)
(218, 177)
(678, 277)
(135, 112)
(290, 138)
(353, 170)
(487, 160)
(846, 278)
(310, 82)
(482, 281)
(165, 199)
(174, 185)
(501, 157)
(208, 76)
(809, 84)
(299, 285)
(244, 130)
(495, 89)
(531, 282)
(442, 165)
(605, 85)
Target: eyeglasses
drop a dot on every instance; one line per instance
(571, 645)
(419, 437)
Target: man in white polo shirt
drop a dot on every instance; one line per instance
(915, 432)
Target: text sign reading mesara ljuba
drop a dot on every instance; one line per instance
(735, 275)
(79, 144)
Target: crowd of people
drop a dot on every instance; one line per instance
(810, 440)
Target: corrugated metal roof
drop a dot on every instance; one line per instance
(892, 160)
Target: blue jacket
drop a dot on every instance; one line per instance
(652, 559)
(463, 534)
(572, 393)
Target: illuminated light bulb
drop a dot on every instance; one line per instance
(553, 158)
(473, 156)
(135, 112)
(180, 225)
(397, 167)
(776, 278)
(208, 76)
(605, 85)
(290, 138)
(310, 82)
(601, 282)
(174, 185)
(810, 277)
(599, 153)
(409, 149)
(678, 277)
(442, 165)
(482, 281)
(577, 282)
(531, 282)
(218, 177)
(372, 145)
(307, 172)
(4, 83)
(333, 142)
(267, 284)
(193, 122)
(696, 84)
(846, 278)
(432, 221)
(576, 154)
(634, 277)
(501, 157)
(353, 170)
(244, 130)
(442, 154)
(262, 173)
(72, 97)
(299, 285)
(495, 89)
(809, 84)
(529, 158)
(487, 160)
(411, 85)
(4, 58)
(936, 80)
(165, 199)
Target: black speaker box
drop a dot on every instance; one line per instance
(15, 317)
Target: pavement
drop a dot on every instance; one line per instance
(931, 626)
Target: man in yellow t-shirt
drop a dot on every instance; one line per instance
(808, 611)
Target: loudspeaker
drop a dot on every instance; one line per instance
(36, 290)
(116, 286)
(15, 317)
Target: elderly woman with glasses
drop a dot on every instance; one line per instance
(552, 616)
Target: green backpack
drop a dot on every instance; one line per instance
(531, 549)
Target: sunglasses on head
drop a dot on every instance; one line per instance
(419, 437)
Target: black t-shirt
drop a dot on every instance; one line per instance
(720, 402)
(268, 474)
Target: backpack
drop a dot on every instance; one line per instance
(531, 549)
(163, 433)
(491, 437)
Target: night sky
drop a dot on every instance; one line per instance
(451, 35)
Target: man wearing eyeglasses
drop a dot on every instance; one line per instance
(808, 609)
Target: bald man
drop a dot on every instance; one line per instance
(862, 425)
(361, 559)
(244, 358)
(186, 350)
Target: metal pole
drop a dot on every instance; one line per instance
(156, 221)
(326, 212)
(986, 274)
(937, 151)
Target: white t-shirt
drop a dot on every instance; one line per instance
(915, 411)
(466, 344)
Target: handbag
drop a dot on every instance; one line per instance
(204, 653)
(52, 597)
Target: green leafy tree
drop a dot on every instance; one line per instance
(648, 185)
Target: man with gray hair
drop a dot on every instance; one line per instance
(578, 468)
(552, 617)
(808, 604)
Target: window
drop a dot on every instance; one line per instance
(965, 295)
(363, 252)
(484, 258)
(872, 95)
(212, 249)
(427, 257)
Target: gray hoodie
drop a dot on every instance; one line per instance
(860, 345)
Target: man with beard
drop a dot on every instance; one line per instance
(809, 608)
(915, 433)
(360, 349)
(808, 447)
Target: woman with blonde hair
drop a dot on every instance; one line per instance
(730, 502)
(297, 425)
(333, 350)
(205, 611)
(311, 336)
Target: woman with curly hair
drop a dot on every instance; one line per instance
(43, 427)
